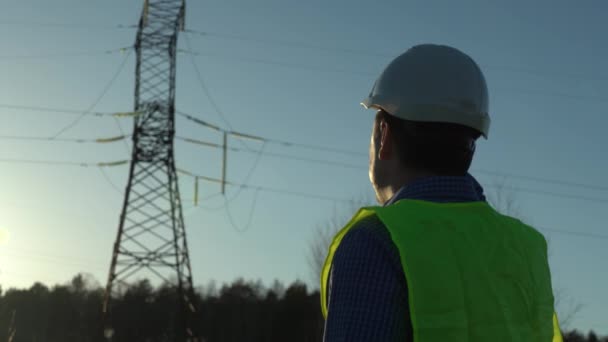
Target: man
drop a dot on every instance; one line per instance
(435, 262)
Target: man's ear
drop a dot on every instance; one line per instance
(385, 151)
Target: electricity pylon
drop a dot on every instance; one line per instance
(151, 239)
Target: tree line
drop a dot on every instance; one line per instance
(241, 311)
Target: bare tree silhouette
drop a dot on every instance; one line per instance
(325, 232)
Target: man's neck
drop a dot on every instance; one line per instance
(403, 179)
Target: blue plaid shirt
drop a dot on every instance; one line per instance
(367, 290)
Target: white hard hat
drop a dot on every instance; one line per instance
(433, 83)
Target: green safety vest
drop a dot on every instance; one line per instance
(472, 273)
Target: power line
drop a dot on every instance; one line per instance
(200, 122)
(266, 189)
(292, 44)
(207, 93)
(304, 45)
(98, 99)
(553, 94)
(54, 110)
(122, 132)
(227, 201)
(543, 180)
(223, 117)
(354, 153)
(330, 162)
(63, 163)
(270, 154)
(494, 173)
(312, 160)
(203, 85)
(243, 186)
(560, 95)
(206, 199)
(288, 43)
(44, 162)
(247, 178)
(285, 43)
(320, 161)
(513, 188)
(372, 53)
(283, 64)
(549, 193)
(66, 54)
(549, 74)
(316, 147)
(293, 193)
(70, 140)
(579, 234)
(86, 26)
(231, 219)
(306, 195)
(109, 181)
(268, 140)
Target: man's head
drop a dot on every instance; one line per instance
(402, 150)
(432, 104)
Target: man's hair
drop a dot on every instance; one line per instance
(440, 148)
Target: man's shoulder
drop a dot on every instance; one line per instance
(367, 237)
(370, 227)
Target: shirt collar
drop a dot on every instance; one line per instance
(441, 189)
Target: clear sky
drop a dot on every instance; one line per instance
(297, 70)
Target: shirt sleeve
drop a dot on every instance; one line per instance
(367, 290)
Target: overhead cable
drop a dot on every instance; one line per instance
(268, 140)
(55, 110)
(73, 140)
(65, 25)
(556, 94)
(374, 53)
(63, 163)
(97, 100)
(543, 180)
(361, 154)
(205, 89)
(66, 54)
(265, 189)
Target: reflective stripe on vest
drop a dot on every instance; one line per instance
(472, 273)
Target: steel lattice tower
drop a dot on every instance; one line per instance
(151, 237)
